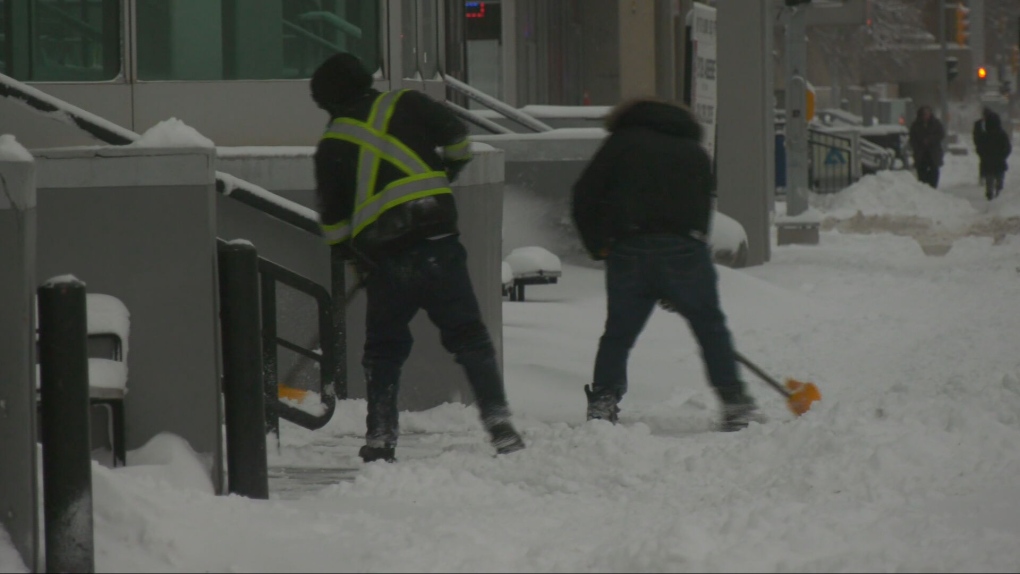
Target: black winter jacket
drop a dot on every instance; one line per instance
(650, 176)
(423, 125)
(992, 145)
(926, 139)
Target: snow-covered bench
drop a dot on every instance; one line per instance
(108, 326)
(530, 266)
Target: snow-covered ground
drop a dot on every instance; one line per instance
(911, 462)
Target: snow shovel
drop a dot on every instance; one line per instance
(799, 394)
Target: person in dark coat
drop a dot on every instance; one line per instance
(643, 205)
(926, 135)
(993, 147)
(385, 203)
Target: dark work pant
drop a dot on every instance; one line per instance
(639, 272)
(431, 275)
(993, 184)
(928, 172)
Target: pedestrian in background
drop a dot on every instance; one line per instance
(993, 148)
(926, 135)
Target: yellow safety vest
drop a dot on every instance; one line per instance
(376, 146)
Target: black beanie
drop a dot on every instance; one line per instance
(339, 79)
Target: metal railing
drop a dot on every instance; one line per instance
(511, 113)
(829, 162)
(270, 274)
(295, 214)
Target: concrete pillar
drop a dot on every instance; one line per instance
(18, 482)
(745, 146)
(637, 48)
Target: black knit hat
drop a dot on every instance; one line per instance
(339, 79)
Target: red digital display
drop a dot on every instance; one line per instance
(474, 10)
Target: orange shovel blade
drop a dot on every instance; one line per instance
(290, 393)
(802, 395)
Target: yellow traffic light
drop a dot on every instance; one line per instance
(962, 24)
(982, 73)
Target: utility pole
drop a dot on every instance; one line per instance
(796, 112)
(943, 78)
(796, 227)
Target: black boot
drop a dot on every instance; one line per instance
(602, 405)
(505, 438)
(737, 416)
(374, 453)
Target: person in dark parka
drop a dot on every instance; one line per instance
(926, 135)
(643, 205)
(993, 147)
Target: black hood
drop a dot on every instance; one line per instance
(339, 80)
(992, 120)
(660, 116)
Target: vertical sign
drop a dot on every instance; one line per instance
(703, 96)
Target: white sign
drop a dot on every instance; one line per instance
(703, 94)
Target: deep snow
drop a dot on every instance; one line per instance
(911, 462)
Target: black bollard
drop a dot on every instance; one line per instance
(338, 279)
(244, 404)
(67, 459)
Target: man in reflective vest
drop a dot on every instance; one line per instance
(384, 197)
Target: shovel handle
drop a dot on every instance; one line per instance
(764, 376)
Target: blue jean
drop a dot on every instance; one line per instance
(642, 270)
(431, 275)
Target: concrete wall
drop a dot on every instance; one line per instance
(140, 224)
(18, 483)
(430, 376)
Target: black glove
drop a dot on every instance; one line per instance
(453, 168)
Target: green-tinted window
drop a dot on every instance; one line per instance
(60, 40)
(251, 39)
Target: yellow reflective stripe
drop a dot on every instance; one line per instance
(375, 145)
(336, 232)
(396, 193)
(398, 201)
(390, 102)
(458, 151)
(390, 148)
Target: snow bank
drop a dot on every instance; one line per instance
(11, 150)
(172, 133)
(10, 560)
(169, 458)
(896, 194)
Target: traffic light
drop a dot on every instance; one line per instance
(952, 68)
(962, 24)
(982, 76)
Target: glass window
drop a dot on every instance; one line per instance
(251, 39)
(60, 40)
(428, 39)
(409, 37)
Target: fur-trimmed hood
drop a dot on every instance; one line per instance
(659, 115)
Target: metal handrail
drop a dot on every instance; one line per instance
(496, 105)
(269, 275)
(484, 123)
